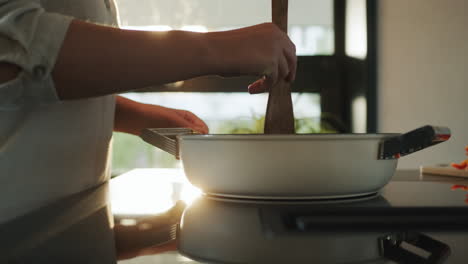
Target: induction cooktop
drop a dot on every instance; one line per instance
(406, 222)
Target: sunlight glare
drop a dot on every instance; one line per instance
(150, 191)
(149, 28)
(195, 28)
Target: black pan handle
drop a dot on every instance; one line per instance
(391, 248)
(418, 139)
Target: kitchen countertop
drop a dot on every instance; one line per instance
(414, 175)
(138, 194)
(133, 193)
(60, 232)
(457, 241)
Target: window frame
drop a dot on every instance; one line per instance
(338, 78)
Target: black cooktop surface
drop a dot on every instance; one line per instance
(411, 221)
(400, 205)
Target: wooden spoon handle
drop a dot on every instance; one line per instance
(279, 117)
(280, 14)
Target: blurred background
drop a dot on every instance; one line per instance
(364, 66)
(223, 103)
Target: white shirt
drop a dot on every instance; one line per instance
(48, 149)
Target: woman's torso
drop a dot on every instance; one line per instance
(52, 151)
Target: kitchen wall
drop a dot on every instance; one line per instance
(423, 73)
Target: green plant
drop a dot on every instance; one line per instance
(256, 124)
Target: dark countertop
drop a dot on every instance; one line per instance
(458, 241)
(73, 222)
(72, 230)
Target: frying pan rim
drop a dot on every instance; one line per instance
(330, 136)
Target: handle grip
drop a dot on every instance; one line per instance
(415, 140)
(280, 14)
(166, 138)
(279, 118)
(390, 247)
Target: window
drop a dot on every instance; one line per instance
(330, 93)
(310, 22)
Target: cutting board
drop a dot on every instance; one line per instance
(444, 170)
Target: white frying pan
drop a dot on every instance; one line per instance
(301, 166)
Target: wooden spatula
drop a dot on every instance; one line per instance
(279, 115)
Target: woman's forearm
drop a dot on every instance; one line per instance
(97, 60)
(127, 117)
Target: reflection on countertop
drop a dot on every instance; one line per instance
(141, 193)
(458, 241)
(60, 232)
(64, 226)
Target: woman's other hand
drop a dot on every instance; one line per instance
(132, 117)
(158, 116)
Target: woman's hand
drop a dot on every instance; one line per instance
(132, 117)
(158, 116)
(261, 50)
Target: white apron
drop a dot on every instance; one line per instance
(53, 150)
